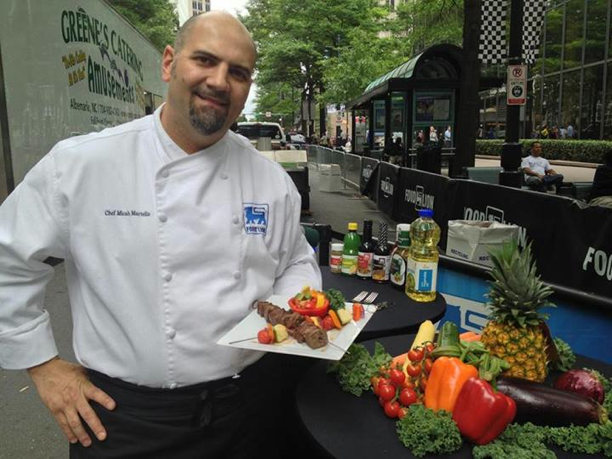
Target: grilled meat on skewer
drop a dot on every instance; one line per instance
(297, 326)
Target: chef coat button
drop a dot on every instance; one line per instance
(237, 275)
(170, 333)
(173, 385)
(163, 218)
(168, 277)
(224, 176)
(236, 220)
(165, 173)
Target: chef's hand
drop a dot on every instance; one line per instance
(65, 389)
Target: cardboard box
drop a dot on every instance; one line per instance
(471, 240)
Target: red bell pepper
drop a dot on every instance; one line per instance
(482, 414)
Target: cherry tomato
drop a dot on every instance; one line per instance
(423, 384)
(416, 355)
(327, 323)
(430, 347)
(413, 370)
(428, 365)
(403, 411)
(381, 401)
(397, 377)
(263, 336)
(407, 397)
(392, 409)
(383, 381)
(407, 384)
(386, 391)
(374, 381)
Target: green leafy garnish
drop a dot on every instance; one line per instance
(336, 299)
(424, 431)
(566, 356)
(355, 369)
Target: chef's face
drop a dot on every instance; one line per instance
(210, 75)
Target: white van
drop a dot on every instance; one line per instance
(256, 130)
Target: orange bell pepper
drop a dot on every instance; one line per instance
(447, 377)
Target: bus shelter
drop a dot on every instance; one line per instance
(410, 101)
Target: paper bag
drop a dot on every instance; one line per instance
(471, 240)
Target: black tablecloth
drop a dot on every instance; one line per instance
(341, 425)
(403, 314)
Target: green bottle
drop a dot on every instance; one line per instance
(350, 252)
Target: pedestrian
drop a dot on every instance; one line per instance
(171, 227)
(539, 175)
(447, 137)
(433, 134)
(570, 131)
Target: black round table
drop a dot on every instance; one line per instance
(403, 315)
(340, 425)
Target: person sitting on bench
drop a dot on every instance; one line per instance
(539, 175)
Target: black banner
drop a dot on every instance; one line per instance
(388, 179)
(368, 183)
(422, 190)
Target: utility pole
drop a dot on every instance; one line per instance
(511, 150)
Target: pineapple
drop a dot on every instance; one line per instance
(513, 332)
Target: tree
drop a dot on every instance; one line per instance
(155, 19)
(295, 38)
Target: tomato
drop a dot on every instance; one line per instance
(403, 411)
(407, 384)
(413, 370)
(423, 383)
(430, 347)
(392, 409)
(386, 392)
(374, 381)
(381, 401)
(416, 355)
(263, 336)
(383, 381)
(327, 323)
(397, 377)
(407, 397)
(428, 365)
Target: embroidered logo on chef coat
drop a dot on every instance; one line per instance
(255, 218)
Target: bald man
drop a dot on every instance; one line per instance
(171, 227)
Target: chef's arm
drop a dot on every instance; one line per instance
(29, 233)
(298, 264)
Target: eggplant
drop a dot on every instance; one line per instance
(546, 406)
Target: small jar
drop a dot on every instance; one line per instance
(335, 258)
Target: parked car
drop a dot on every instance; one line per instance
(256, 130)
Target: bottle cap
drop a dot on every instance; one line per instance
(353, 226)
(337, 246)
(427, 213)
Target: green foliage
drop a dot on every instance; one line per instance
(567, 358)
(336, 299)
(355, 369)
(155, 19)
(589, 151)
(424, 431)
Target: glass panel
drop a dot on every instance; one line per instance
(596, 31)
(608, 111)
(554, 34)
(574, 25)
(550, 107)
(536, 100)
(570, 106)
(379, 123)
(592, 103)
(398, 117)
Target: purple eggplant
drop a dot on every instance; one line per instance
(546, 406)
(581, 382)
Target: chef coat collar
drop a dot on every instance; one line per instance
(173, 152)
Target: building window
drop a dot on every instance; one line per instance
(607, 135)
(592, 103)
(570, 105)
(574, 25)
(595, 42)
(550, 107)
(554, 34)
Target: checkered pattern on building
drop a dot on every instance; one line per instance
(492, 46)
(533, 19)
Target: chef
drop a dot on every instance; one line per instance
(170, 226)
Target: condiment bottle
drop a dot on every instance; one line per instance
(398, 261)
(350, 252)
(422, 263)
(382, 257)
(335, 258)
(366, 252)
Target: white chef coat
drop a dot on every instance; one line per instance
(165, 252)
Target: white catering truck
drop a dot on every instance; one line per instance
(67, 67)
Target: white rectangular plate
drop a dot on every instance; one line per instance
(244, 335)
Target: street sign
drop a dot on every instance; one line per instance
(516, 87)
(268, 114)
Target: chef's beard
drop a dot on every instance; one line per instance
(206, 120)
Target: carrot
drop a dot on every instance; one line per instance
(469, 336)
(399, 360)
(335, 319)
(466, 334)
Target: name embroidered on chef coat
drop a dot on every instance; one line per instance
(255, 218)
(127, 213)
